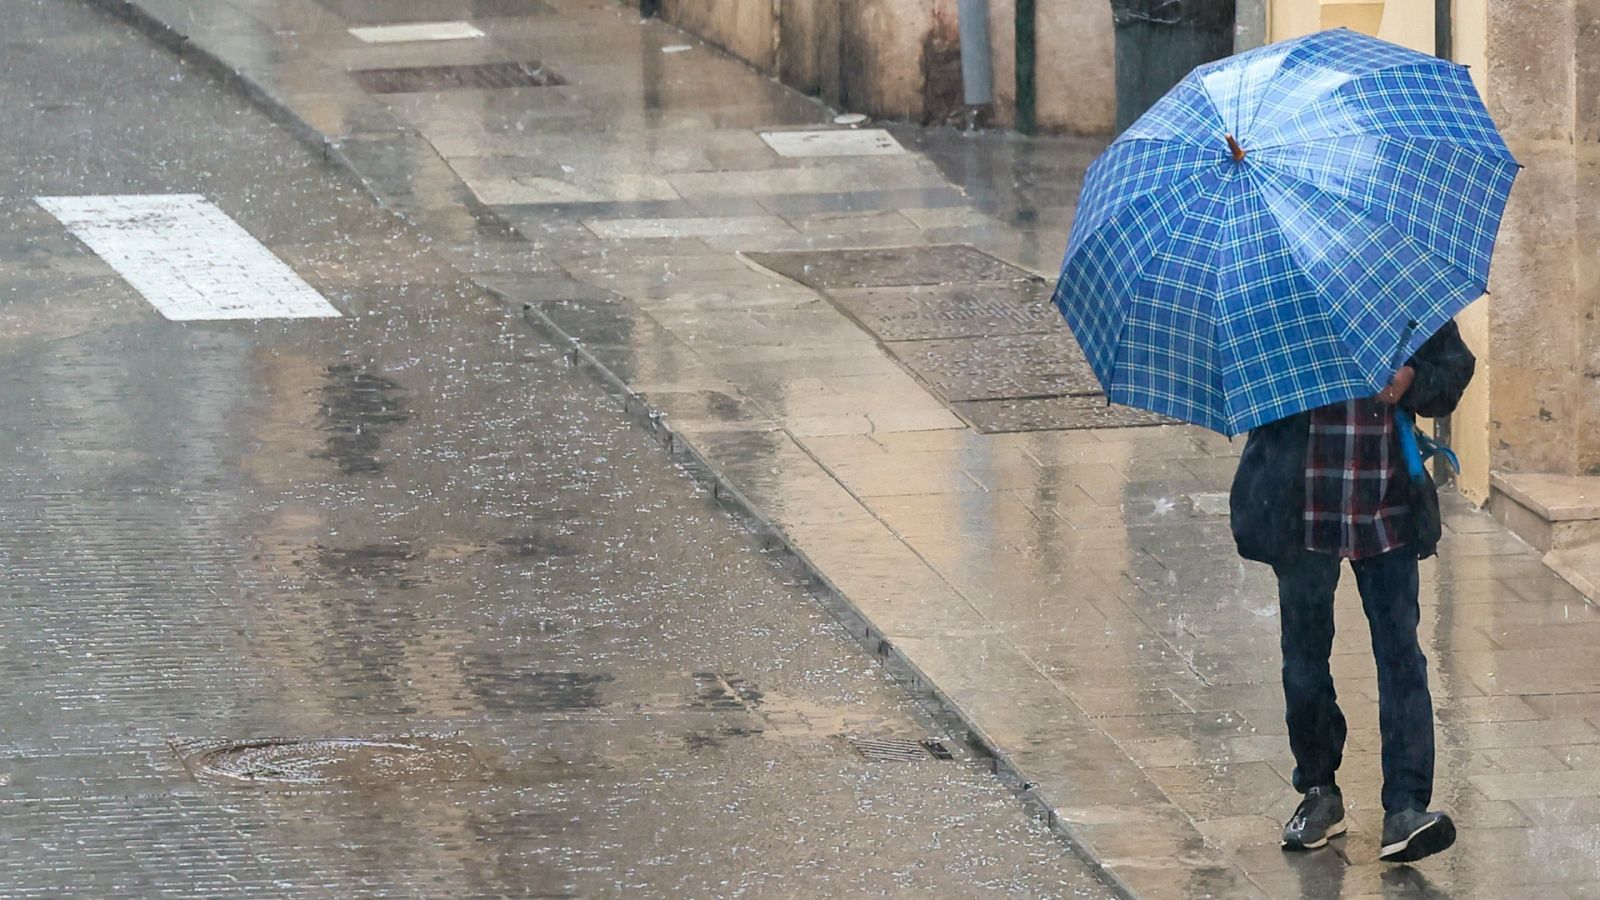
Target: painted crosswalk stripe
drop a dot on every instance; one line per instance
(417, 31)
(188, 258)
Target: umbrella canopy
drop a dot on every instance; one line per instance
(1283, 229)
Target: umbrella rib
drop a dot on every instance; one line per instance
(1361, 212)
(1370, 214)
(1232, 235)
(1247, 127)
(1074, 243)
(1497, 156)
(1183, 215)
(1423, 62)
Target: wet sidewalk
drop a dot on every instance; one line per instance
(913, 424)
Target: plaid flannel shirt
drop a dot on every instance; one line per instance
(1355, 496)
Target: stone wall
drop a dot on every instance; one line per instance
(900, 59)
(1586, 275)
(745, 28)
(1540, 317)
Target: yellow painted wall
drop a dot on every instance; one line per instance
(1405, 22)
(1411, 23)
(1469, 426)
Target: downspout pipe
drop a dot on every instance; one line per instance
(1444, 13)
(1027, 67)
(1443, 47)
(977, 66)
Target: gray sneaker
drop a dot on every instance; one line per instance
(1411, 834)
(1320, 816)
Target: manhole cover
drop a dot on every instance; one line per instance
(291, 762)
(1001, 366)
(951, 311)
(977, 330)
(890, 266)
(1052, 414)
(899, 749)
(426, 79)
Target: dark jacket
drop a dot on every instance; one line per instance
(1269, 489)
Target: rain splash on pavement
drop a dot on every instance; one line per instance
(393, 602)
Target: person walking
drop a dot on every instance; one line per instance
(1285, 231)
(1328, 485)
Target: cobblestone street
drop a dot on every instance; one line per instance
(462, 519)
(531, 656)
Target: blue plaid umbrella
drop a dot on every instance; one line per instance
(1282, 227)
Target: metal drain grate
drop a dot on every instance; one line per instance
(900, 749)
(292, 762)
(485, 76)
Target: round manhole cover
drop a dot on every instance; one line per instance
(288, 761)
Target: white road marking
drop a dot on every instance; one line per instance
(417, 31)
(188, 258)
(833, 142)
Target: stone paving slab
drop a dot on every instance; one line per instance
(1072, 594)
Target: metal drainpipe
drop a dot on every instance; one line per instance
(1027, 93)
(1444, 28)
(977, 68)
(1443, 47)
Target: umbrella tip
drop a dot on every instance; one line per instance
(1238, 151)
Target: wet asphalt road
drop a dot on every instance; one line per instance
(413, 523)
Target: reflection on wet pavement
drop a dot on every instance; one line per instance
(972, 327)
(1073, 593)
(394, 603)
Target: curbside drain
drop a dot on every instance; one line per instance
(430, 79)
(900, 749)
(291, 762)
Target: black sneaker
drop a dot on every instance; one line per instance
(1320, 816)
(1411, 834)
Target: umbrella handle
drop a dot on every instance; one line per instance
(1418, 448)
(1409, 451)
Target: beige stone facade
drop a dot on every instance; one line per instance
(1528, 430)
(901, 58)
(1534, 408)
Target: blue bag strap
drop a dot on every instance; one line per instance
(1431, 448)
(1409, 450)
(1417, 447)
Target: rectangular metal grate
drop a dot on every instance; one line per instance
(383, 12)
(979, 331)
(484, 76)
(899, 749)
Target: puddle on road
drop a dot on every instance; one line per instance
(510, 690)
(739, 709)
(357, 408)
(385, 565)
(534, 546)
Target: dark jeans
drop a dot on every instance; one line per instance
(1388, 586)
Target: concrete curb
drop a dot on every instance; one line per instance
(904, 670)
(937, 702)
